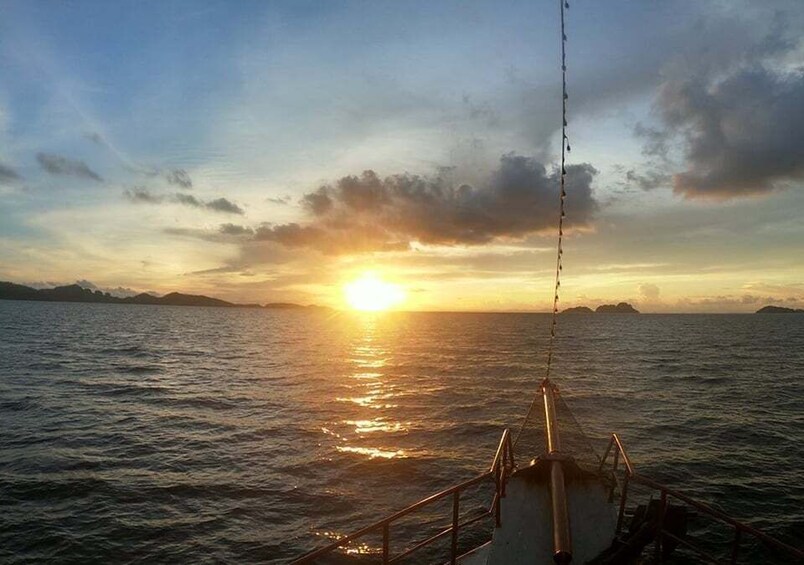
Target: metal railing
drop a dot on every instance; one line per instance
(630, 476)
(501, 466)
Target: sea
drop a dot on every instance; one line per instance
(160, 434)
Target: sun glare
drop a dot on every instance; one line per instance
(371, 294)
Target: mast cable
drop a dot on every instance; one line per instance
(565, 148)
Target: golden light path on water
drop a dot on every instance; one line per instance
(368, 388)
(373, 397)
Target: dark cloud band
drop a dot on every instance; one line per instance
(369, 213)
(742, 136)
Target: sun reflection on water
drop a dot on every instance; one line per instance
(372, 452)
(375, 425)
(369, 428)
(353, 548)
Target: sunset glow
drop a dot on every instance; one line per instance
(277, 181)
(371, 294)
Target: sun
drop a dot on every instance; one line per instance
(371, 294)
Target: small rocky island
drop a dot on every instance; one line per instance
(621, 308)
(578, 310)
(779, 310)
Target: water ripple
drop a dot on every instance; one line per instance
(194, 435)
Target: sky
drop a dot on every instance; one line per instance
(276, 151)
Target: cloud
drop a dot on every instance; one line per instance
(345, 240)
(284, 200)
(200, 234)
(188, 200)
(140, 194)
(226, 233)
(733, 303)
(234, 229)
(8, 175)
(43, 284)
(224, 205)
(369, 213)
(95, 137)
(179, 177)
(649, 180)
(120, 292)
(58, 165)
(650, 292)
(730, 113)
(217, 205)
(741, 135)
(655, 141)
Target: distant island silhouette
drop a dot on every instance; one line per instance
(779, 310)
(621, 308)
(77, 293)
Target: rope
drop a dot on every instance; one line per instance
(565, 411)
(565, 148)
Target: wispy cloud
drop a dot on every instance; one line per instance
(224, 205)
(8, 175)
(178, 177)
(283, 200)
(218, 205)
(234, 229)
(141, 195)
(59, 165)
(649, 179)
(95, 138)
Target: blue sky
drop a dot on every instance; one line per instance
(175, 145)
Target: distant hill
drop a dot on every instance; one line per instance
(76, 293)
(178, 299)
(621, 308)
(578, 310)
(779, 310)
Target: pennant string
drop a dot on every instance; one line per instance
(565, 148)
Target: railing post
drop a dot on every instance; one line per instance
(455, 509)
(623, 499)
(606, 454)
(735, 550)
(614, 474)
(504, 466)
(511, 452)
(660, 527)
(500, 488)
(386, 542)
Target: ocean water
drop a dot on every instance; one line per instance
(155, 434)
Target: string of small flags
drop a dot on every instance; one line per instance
(565, 149)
